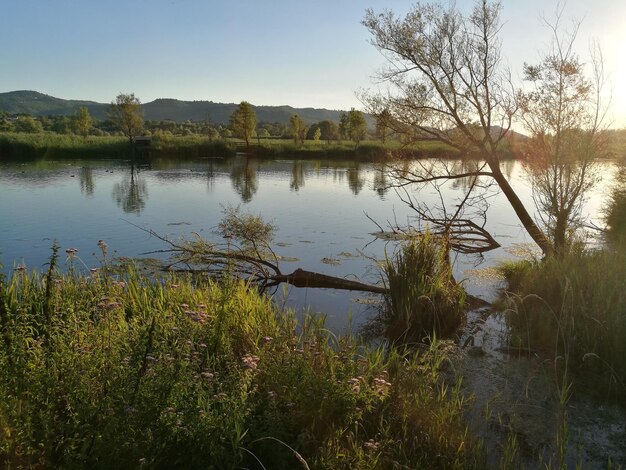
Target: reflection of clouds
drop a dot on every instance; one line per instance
(86, 181)
(244, 180)
(130, 194)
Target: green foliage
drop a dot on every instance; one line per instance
(174, 374)
(574, 307)
(82, 122)
(352, 126)
(243, 122)
(27, 124)
(298, 129)
(126, 114)
(51, 145)
(423, 300)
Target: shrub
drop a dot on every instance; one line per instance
(423, 299)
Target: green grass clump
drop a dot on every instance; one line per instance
(573, 307)
(192, 146)
(105, 372)
(51, 145)
(423, 299)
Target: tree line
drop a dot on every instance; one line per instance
(126, 118)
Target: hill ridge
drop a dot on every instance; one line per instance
(40, 104)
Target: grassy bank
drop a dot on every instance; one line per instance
(100, 372)
(18, 146)
(367, 150)
(51, 145)
(574, 309)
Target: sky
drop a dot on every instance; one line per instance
(272, 52)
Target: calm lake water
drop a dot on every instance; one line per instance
(319, 207)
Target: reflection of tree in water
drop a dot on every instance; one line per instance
(243, 178)
(381, 183)
(456, 167)
(210, 176)
(508, 166)
(130, 194)
(354, 180)
(86, 181)
(297, 175)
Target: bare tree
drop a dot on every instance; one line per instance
(446, 83)
(562, 110)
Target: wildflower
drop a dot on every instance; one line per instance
(20, 269)
(142, 461)
(207, 375)
(94, 271)
(249, 361)
(121, 284)
(71, 252)
(290, 405)
(267, 339)
(271, 395)
(372, 445)
(129, 410)
(103, 247)
(174, 286)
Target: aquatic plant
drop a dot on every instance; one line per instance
(423, 298)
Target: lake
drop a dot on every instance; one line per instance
(319, 207)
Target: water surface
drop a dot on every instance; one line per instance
(319, 206)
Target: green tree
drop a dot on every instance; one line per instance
(243, 122)
(297, 129)
(28, 124)
(357, 126)
(5, 124)
(330, 130)
(82, 122)
(62, 125)
(127, 116)
(317, 134)
(344, 126)
(383, 122)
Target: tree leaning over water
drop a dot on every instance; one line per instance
(126, 113)
(447, 84)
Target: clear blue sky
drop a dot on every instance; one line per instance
(267, 52)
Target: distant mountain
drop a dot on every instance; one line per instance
(39, 104)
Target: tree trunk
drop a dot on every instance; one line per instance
(527, 221)
(302, 278)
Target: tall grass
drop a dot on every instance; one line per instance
(367, 150)
(573, 308)
(193, 146)
(423, 299)
(110, 372)
(52, 145)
